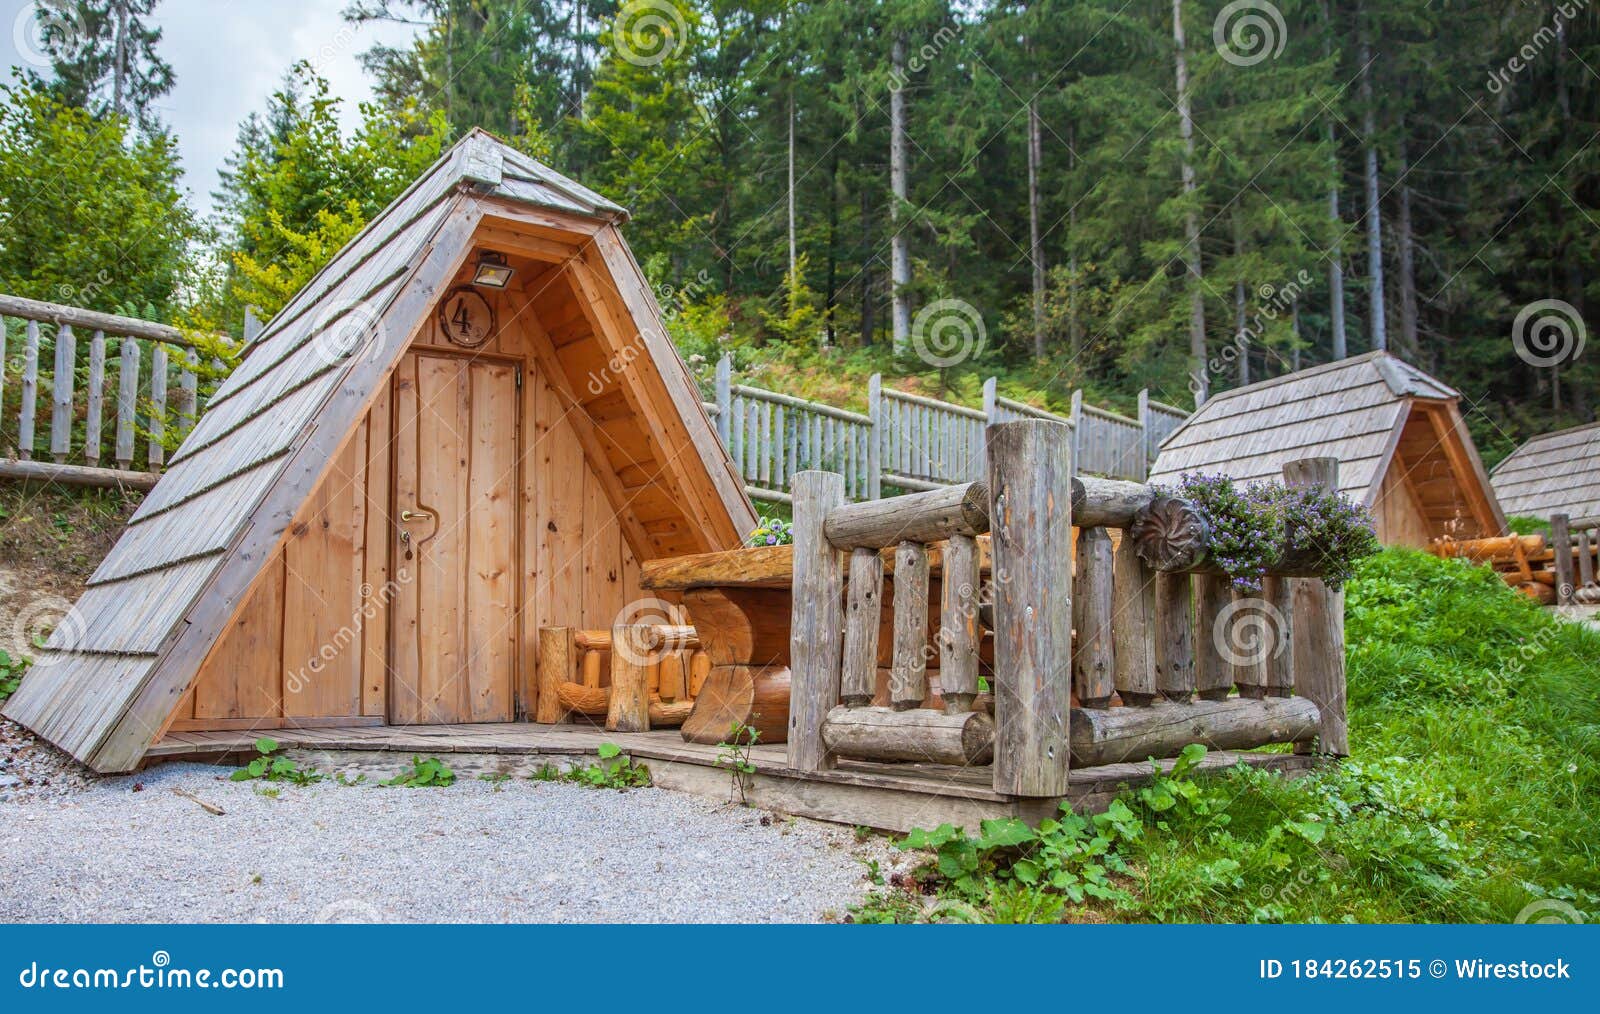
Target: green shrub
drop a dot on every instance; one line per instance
(1475, 734)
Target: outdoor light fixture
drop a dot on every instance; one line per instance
(493, 271)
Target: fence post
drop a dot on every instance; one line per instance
(62, 382)
(1319, 624)
(252, 324)
(724, 395)
(1030, 484)
(1561, 539)
(1144, 434)
(30, 391)
(816, 619)
(875, 437)
(1077, 428)
(95, 409)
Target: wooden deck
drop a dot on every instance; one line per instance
(894, 797)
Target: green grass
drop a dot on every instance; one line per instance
(1470, 793)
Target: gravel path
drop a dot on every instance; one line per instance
(129, 849)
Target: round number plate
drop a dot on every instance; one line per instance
(466, 318)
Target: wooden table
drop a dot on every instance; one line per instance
(739, 603)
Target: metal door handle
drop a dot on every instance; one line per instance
(410, 515)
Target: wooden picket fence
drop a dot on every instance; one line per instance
(108, 411)
(908, 441)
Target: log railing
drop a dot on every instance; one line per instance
(1165, 652)
(1535, 565)
(1574, 545)
(651, 684)
(95, 393)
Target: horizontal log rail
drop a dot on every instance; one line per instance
(1129, 646)
(112, 386)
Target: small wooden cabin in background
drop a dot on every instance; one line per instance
(470, 425)
(1403, 447)
(1554, 473)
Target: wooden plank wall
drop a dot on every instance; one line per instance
(1396, 513)
(578, 569)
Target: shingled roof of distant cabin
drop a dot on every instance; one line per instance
(1554, 473)
(1351, 409)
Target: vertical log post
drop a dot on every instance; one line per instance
(1278, 593)
(557, 651)
(1093, 676)
(30, 391)
(1586, 547)
(62, 382)
(1242, 640)
(127, 402)
(958, 624)
(158, 406)
(1318, 620)
(97, 398)
(1133, 626)
(816, 620)
(1030, 482)
(631, 662)
(1213, 673)
(1561, 539)
(188, 393)
(908, 679)
(1175, 637)
(860, 669)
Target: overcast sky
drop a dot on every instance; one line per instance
(228, 57)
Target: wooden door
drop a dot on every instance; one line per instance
(453, 620)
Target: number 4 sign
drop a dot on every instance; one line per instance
(465, 317)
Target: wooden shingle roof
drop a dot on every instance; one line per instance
(116, 666)
(1351, 409)
(1554, 473)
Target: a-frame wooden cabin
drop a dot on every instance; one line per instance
(1403, 448)
(411, 472)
